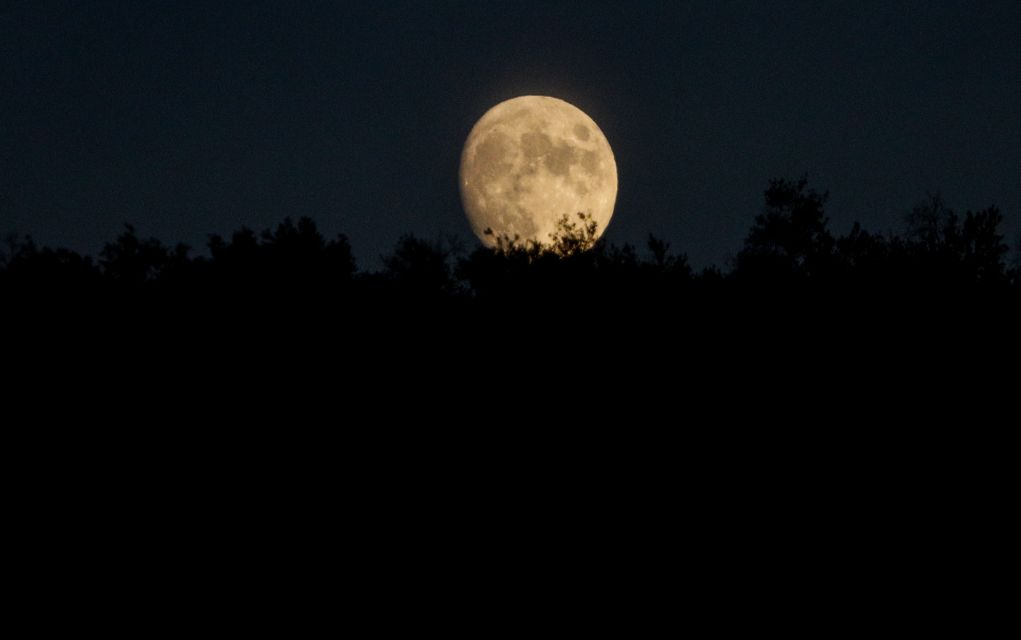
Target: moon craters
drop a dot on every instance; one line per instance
(530, 161)
(558, 157)
(494, 155)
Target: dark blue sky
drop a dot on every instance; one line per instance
(186, 118)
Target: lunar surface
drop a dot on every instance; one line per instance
(528, 162)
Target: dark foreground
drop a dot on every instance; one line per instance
(823, 434)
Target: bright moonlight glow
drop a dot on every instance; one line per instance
(531, 160)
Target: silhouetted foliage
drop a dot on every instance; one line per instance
(952, 251)
(789, 260)
(572, 238)
(567, 239)
(420, 268)
(789, 238)
(131, 261)
(291, 259)
(28, 268)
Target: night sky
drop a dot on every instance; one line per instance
(189, 118)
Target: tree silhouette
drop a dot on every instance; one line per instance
(133, 262)
(862, 256)
(293, 259)
(931, 223)
(27, 269)
(420, 268)
(982, 247)
(789, 238)
(789, 260)
(945, 249)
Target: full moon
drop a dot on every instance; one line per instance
(530, 161)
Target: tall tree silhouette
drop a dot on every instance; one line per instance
(790, 236)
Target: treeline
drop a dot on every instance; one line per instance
(801, 326)
(788, 250)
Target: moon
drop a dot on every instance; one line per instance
(528, 162)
